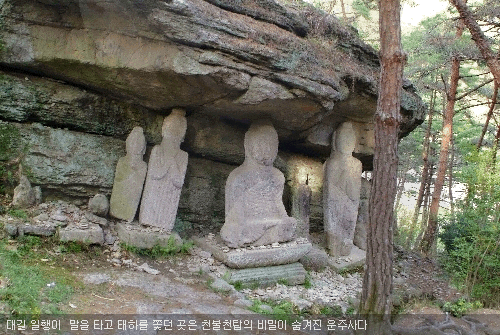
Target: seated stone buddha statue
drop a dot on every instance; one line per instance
(255, 214)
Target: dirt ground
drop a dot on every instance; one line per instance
(106, 284)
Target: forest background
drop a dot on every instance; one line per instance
(448, 193)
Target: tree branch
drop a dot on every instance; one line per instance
(478, 37)
(473, 90)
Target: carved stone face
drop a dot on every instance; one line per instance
(261, 143)
(174, 126)
(136, 143)
(345, 139)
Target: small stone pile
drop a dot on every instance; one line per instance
(46, 218)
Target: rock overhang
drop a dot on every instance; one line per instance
(231, 59)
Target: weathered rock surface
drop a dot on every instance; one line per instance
(355, 259)
(99, 205)
(315, 260)
(92, 234)
(16, 228)
(96, 67)
(24, 195)
(262, 58)
(70, 162)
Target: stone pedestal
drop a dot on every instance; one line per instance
(251, 257)
(266, 264)
(144, 237)
(292, 274)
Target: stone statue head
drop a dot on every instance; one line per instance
(345, 138)
(261, 143)
(136, 143)
(175, 125)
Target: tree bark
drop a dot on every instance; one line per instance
(400, 190)
(490, 114)
(450, 179)
(479, 38)
(425, 159)
(495, 149)
(425, 205)
(446, 136)
(344, 15)
(377, 284)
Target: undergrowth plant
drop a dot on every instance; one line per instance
(18, 213)
(32, 289)
(281, 310)
(172, 248)
(461, 307)
(472, 237)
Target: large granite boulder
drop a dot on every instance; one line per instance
(69, 163)
(78, 75)
(234, 59)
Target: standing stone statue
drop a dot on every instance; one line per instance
(341, 187)
(166, 171)
(129, 178)
(255, 214)
(24, 195)
(301, 208)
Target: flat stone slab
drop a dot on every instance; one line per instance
(355, 259)
(253, 257)
(291, 274)
(144, 237)
(92, 235)
(39, 229)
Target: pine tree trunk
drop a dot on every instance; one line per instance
(425, 205)
(344, 15)
(450, 179)
(400, 190)
(495, 148)
(425, 159)
(490, 114)
(377, 284)
(430, 233)
(478, 37)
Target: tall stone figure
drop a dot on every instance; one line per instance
(129, 177)
(255, 214)
(166, 171)
(341, 188)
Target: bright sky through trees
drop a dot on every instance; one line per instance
(412, 14)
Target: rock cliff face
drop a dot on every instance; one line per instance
(88, 71)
